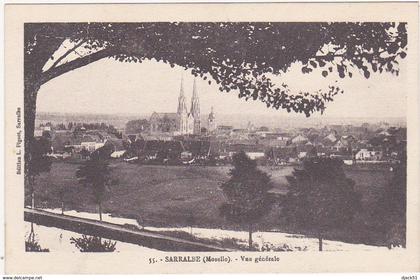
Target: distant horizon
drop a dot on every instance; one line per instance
(302, 117)
(233, 119)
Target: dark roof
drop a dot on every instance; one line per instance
(163, 115)
(117, 144)
(225, 127)
(87, 138)
(132, 137)
(245, 148)
(217, 147)
(197, 148)
(153, 146)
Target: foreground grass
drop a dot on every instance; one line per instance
(177, 196)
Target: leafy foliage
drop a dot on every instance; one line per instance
(238, 56)
(246, 191)
(32, 245)
(93, 244)
(95, 174)
(136, 126)
(320, 196)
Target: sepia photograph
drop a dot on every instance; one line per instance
(278, 137)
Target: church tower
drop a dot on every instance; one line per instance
(181, 99)
(195, 109)
(211, 125)
(182, 110)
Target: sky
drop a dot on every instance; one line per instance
(111, 87)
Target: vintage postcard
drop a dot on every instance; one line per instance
(209, 138)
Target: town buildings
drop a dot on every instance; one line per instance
(270, 146)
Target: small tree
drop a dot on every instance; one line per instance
(32, 245)
(247, 193)
(95, 174)
(137, 126)
(320, 197)
(393, 204)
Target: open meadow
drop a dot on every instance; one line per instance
(178, 196)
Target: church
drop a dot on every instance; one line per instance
(184, 121)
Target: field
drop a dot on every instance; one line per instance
(175, 196)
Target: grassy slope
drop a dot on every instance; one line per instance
(169, 196)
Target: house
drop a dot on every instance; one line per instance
(90, 144)
(300, 139)
(131, 138)
(302, 155)
(330, 139)
(239, 131)
(116, 144)
(117, 154)
(255, 155)
(78, 144)
(273, 142)
(384, 133)
(186, 155)
(224, 129)
(340, 146)
(368, 155)
(38, 132)
(253, 151)
(116, 148)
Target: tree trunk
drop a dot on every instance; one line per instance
(250, 236)
(32, 199)
(32, 233)
(320, 243)
(31, 181)
(100, 211)
(30, 95)
(31, 88)
(62, 201)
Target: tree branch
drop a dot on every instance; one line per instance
(74, 64)
(67, 53)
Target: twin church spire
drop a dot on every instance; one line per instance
(189, 122)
